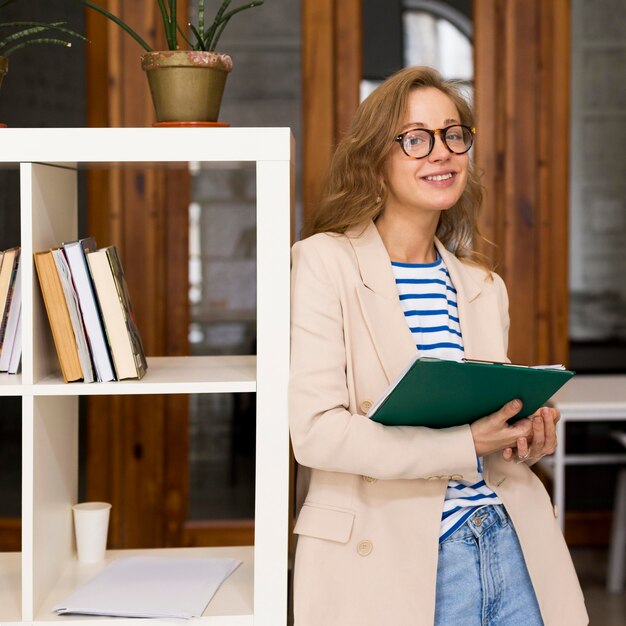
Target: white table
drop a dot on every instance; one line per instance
(585, 398)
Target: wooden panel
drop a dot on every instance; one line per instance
(10, 534)
(331, 68)
(219, 533)
(348, 62)
(521, 69)
(588, 528)
(553, 166)
(520, 259)
(143, 212)
(489, 149)
(318, 97)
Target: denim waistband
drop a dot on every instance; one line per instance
(480, 521)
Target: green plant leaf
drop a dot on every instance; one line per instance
(206, 39)
(23, 44)
(173, 22)
(210, 33)
(169, 22)
(29, 29)
(201, 15)
(184, 36)
(198, 35)
(119, 22)
(251, 5)
(227, 17)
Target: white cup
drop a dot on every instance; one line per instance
(91, 523)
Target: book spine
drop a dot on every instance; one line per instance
(7, 308)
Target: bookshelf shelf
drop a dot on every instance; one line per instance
(195, 374)
(11, 385)
(10, 587)
(234, 600)
(48, 160)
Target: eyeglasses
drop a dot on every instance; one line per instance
(418, 143)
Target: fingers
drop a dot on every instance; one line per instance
(543, 438)
(507, 454)
(550, 417)
(523, 451)
(539, 433)
(509, 410)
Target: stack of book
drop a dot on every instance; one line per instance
(90, 314)
(10, 311)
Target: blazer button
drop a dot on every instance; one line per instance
(366, 405)
(364, 547)
(369, 479)
(456, 477)
(555, 510)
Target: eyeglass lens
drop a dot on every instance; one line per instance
(419, 143)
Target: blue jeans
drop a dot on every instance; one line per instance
(482, 578)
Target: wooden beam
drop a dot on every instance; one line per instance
(331, 69)
(521, 99)
(318, 97)
(348, 62)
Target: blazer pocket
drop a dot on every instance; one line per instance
(324, 522)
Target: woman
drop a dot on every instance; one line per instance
(410, 526)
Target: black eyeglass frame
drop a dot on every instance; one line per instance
(437, 131)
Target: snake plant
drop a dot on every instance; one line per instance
(17, 35)
(203, 36)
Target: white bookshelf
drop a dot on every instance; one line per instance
(47, 569)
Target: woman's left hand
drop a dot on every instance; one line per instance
(542, 440)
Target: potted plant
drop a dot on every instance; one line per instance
(17, 35)
(186, 85)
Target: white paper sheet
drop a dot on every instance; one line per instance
(150, 586)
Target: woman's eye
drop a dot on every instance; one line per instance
(413, 141)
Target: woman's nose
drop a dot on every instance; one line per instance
(439, 152)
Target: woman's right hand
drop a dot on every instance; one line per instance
(492, 433)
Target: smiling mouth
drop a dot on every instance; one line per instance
(440, 176)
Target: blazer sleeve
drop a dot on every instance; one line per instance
(325, 434)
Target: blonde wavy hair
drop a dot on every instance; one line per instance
(355, 192)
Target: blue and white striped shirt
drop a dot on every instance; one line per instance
(428, 299)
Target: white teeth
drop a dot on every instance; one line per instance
(440, 177)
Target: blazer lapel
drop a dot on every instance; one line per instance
(378, 297)
(385, 319)
(479, 312)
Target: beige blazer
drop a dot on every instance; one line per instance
(369, 525)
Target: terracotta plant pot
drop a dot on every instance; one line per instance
(4, 67)
(186, 86)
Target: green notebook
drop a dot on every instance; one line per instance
(438, 394)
